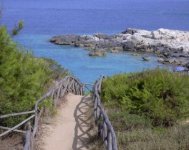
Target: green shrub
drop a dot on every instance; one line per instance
(57, 72)
(123, 121)
(159, 95)
(23, 78)
(146, 109)
(18, 28)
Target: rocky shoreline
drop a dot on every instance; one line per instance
(171, 46)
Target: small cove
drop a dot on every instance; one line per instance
(86, 68)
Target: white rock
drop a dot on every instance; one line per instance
(173, 39)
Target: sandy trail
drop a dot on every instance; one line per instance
(71, 127)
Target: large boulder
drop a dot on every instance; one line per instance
(65, 39)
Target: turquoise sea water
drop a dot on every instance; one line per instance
(43, 19)
(86, 68)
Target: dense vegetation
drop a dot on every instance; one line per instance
(23, 78)
(147, 109)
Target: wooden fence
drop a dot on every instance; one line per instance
(66, 85)
(105, 128)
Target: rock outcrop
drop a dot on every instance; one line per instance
(172, 46)
(98, 53)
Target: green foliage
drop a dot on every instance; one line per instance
(18, 28)
(23, 78)
(49, 109)
(123, 121)
(159, 95)
(57, 71)
(146, 109)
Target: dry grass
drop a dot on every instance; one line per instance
(12, 142)
(173, 138)
(135, 133)
(96, 143)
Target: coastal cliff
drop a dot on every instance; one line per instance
(171, 46)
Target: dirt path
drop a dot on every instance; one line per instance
(71, 129)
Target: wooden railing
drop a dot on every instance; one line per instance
(105, 128)
(66, 85)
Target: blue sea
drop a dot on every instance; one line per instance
(46, 18)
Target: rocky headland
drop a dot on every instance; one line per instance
(171, 46)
